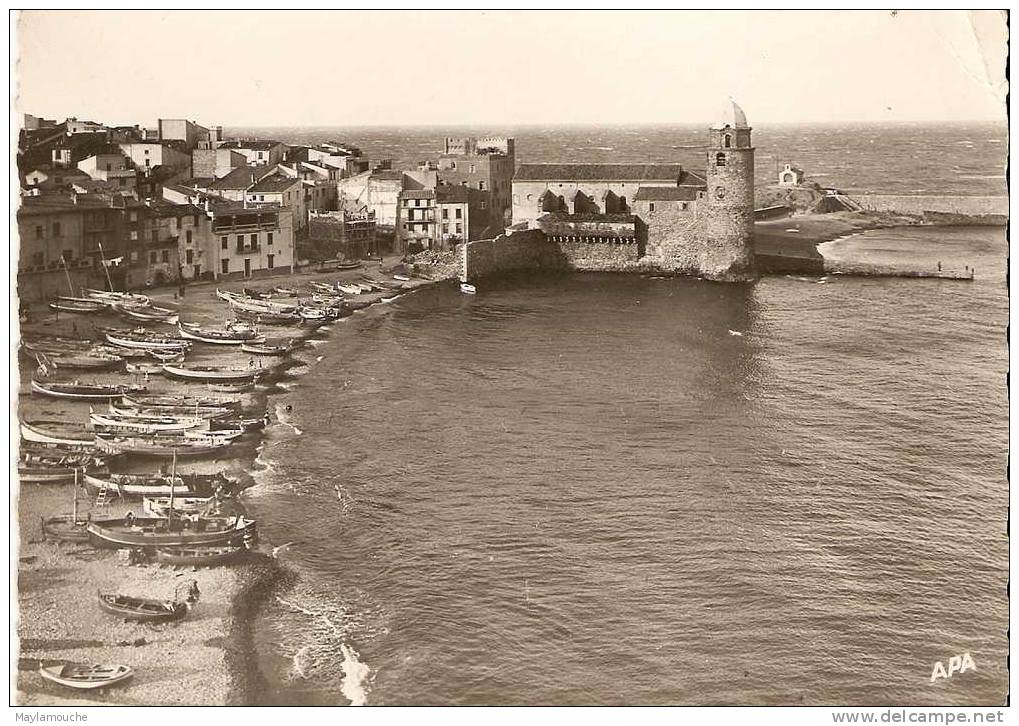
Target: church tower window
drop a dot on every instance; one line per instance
(719, 159)
(728, 141)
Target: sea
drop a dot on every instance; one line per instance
(595, 489)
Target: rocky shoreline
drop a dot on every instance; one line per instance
(208, 658)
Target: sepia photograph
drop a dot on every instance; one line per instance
(512, 358)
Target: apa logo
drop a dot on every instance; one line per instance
(956, 664)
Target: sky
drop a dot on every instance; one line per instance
(398, 68)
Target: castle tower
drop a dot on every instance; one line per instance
(729, 217)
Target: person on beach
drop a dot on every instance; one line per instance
(939, 265)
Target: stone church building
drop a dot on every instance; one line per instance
(660, 217)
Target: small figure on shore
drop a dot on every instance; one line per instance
(129, 519)
(939, 265)
(289, 408)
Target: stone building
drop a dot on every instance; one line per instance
(258, 152)
(250, 242)
(486, 166)
(432, 219)
(654, 217)
(343, 234)
(790, 176)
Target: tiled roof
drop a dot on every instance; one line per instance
(418, 194)
(667, 194)
(601, 172)
(240, 178)
(274, 183)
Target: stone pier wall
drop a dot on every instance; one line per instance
(922, 204)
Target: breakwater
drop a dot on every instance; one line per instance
(940, 209)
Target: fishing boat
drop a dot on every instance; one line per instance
(148, 314)
(227, 295)
(81, 307)
(323, 287)
(144, 368)
(211, 373)
(161, 506)
(255, 294)
(131, 531)
(86, 677)
(142, 338)
(142, 609)
(349, 265)
(82, 361)
(84, 391)
(113, 296)
(38, 473)
(165, 445)
(264, 317)
(49, 432)
(230, 335)
(315, 315)
(468, 289)
(137, 486)
(203, 404)
(198, 556)
(350, 288)
(401, 278)
(267, 349)
(166, 356)
(389, 299)
(231, 387)
(111, 422)
(285, 291)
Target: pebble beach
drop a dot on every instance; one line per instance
(202, 659)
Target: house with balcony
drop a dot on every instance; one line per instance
(280, 190)
(247, 242)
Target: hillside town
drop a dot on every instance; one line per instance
(129, 207)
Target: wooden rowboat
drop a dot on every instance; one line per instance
(352, 265)
(160, 506)
(65, 528)
(219, 336)
(468, 289)
(136, 486)
(198, 556)
(211, 373)
(141, 609)
(142, 338)
(45, 432)
(86, 677)
(84, 391)
(81, 307)
(163, 445)
(266, 349)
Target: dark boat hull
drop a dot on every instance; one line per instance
(141, 610)
(151, 532)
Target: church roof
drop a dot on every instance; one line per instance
(602, 172)
(667, 194)
(731, 115)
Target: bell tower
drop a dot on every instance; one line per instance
(729, 218)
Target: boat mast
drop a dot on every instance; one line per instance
(173, 482)
(67, 272)
(74, 501)
(106, 269)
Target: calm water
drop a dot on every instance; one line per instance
(588, 490)
(597, 489)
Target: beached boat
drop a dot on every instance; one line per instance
(131, 531)
(264, 317)
(349, 265)
(113, 296)
(232, 387)
(38, 473)
(165, 445)
(137, 486)
(107, 421)
(84, 391)
(267, 349)
(199, 404)
(50, 432)
(232, 335)
(86, 677)
(148, 314)
(142, 609)
(468, 289)
(198, 556)
(401, 278)
(144, 368)
(389, 299)
(79, 361)
(285, 291)
(350, 288)
(211, 373)
(142, 338)
(81, 307)
(65, 528)
(163, 506)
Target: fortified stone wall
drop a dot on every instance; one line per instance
(528, 249)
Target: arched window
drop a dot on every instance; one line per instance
(728, 141)
(719, 159)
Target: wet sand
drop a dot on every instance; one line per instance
(204, 659)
